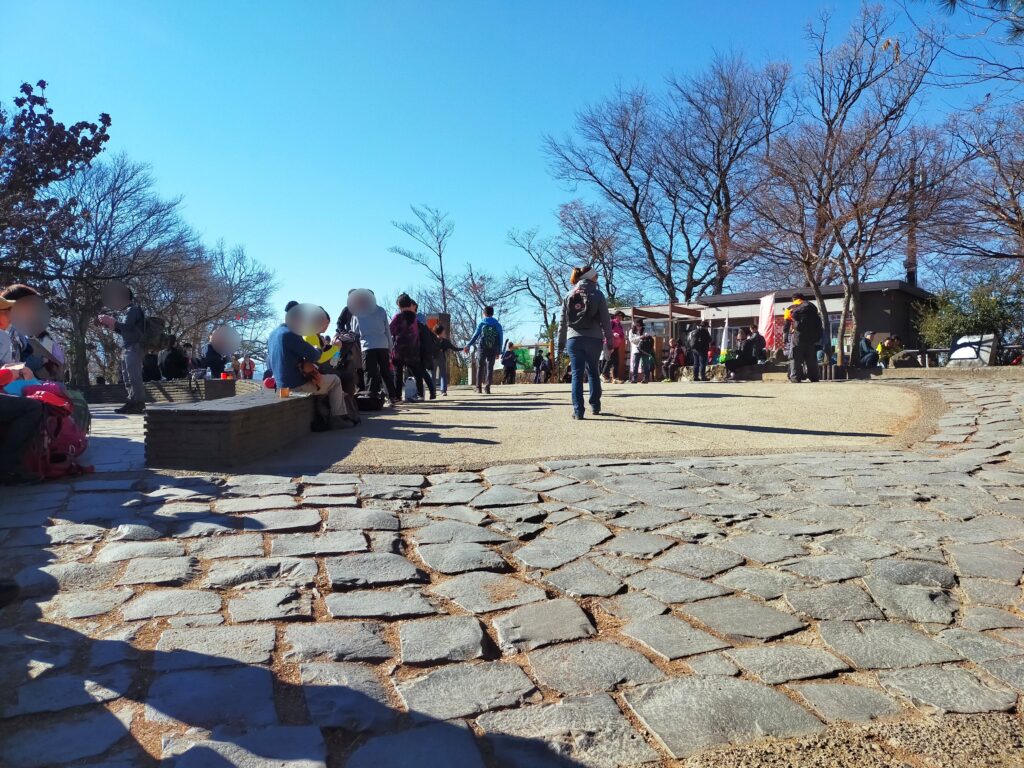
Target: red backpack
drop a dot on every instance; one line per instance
(54, 453)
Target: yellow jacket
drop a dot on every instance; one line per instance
(330, 352)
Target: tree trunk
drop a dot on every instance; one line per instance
(855, 306)
(79, 353)
(840, 350)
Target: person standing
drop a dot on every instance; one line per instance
(405, 345)
(585, 328)
(248, 368)
(491, 338)
(214, 360)
(699, 342)
(803, 323)
(509, 363)
(132, 331)
(538, 365)
(547, 367)
(370, 322)
(636, 335)
(612, 361)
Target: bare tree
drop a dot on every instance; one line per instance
(720, 126)
(617, 152)
(841, 182)
(593, 236)
(431, 229)
(546, 280)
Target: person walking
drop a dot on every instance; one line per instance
(491, 338)
(803, 323)
(699, 342)
(538, 366)
(132, 331)
(614, 357)
(509, 363)
(444, 346)
(585, 328)
(370, 323)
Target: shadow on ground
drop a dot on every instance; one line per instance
(54, 679)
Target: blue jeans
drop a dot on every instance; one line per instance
(699, 359)
(584, 351)
(441, 374)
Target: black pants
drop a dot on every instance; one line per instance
(377, 364)
(611, 365)
(20, 419)
(419, 372)
(803, 362)
(485, 371)
(510, 376)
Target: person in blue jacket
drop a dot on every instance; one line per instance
(491, 338)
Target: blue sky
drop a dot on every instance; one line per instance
(302, 129)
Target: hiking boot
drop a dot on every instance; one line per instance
(487, 389)
(479, 390)
(596, 409)
(131, 408)
(9, 591)
(577, 416)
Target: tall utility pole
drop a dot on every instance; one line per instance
(910, 261)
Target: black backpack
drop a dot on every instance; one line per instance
(428, 345)
(370, 401)
(808, 320)
(647, 345)
(580, 308)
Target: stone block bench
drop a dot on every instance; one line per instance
(224, 433)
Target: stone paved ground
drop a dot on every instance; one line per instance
(574, 612)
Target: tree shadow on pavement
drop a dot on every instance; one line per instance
(744, 427)
(240, 711)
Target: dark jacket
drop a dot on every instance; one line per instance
(215, 361)
(804, 321)
(747, 354)
(509, 360)
(133, 328)
(700, 339)
(173, 364)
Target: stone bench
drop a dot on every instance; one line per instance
(224, 433)
(174, 391)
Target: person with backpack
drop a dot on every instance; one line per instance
(405, 345)
(509, 363)
(132, 330)
(803, 324)
(538, 364)
(370, 322)
(491, 338)
(585, 328)
(699, 342)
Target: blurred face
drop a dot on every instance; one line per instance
(30, 315)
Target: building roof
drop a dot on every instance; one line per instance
(749, 297)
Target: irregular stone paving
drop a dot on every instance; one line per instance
(597, 612)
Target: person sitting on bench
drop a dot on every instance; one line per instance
(294, 363)
(746, 353)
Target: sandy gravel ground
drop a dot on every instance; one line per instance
(525, 423)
